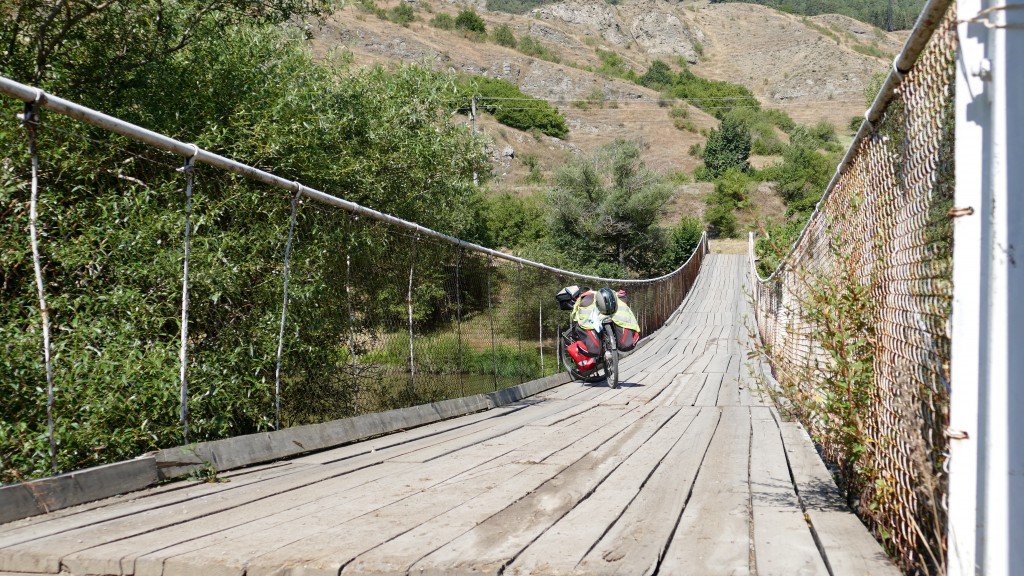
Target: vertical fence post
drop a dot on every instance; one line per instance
(458, 315)
(412, 354)
(519, 318)
(348, 303)
(31, 121)
(490, 312)
(540, 329)
(986, 464)
(284, 306)
(183, 415)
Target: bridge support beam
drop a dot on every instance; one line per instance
(986, 492)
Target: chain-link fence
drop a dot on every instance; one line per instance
(856, 319)
(186, 303)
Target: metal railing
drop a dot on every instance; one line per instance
(336, 310)
(855, 320)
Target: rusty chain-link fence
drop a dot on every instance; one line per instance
(301, 307)
(856, 319)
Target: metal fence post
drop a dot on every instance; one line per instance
(490, 312)
(284, 307)
(458, 315)
(519, 318)
(183, 414)
(349, 235)
(31, 121)
(412, 354)
(540, 329)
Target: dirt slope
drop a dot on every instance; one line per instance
(813, 68)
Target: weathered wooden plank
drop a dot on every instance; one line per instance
(28, 531)
(490, 545)
(296, 538)
(686, 388)
(847, 545)
(563, 545)
(713, 535)
(231, 551)
(60, 540)
(783, 543)
(729, 393)
(144, 552)
(635, 543)
(708, 395)
(26, 499)
(719, 363)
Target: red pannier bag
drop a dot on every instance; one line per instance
(625, 338)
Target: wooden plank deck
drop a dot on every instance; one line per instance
(685, 469)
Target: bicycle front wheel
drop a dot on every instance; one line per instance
(611, 357)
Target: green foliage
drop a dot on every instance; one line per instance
(443, 21)
(682, 241)
(515, 6)
(764, 126)
(531, 47)
(72, 47)
(873, 87)
(503, 35)
(803, 174)
(841, 311)
(732, 191)
(604, 209)
(712, 96)
(511, 107)
(775, 243)
(874, 12)
(470, 21)
(513, 222)
(612, 64)
(872, 50)
(402, 14)
(535, 176)
(112, 215)
(727, 147)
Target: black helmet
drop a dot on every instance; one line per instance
(606, 301)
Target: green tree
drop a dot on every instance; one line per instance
(470, 21)
(73, 47)
(443, 21)
(604, 209)
(682, 241)
(402, 14)
(727, 147)
(503, 35)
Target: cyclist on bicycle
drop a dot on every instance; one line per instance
(591, 313)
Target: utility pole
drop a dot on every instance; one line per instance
(472, 118)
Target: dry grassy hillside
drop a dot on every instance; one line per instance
(813, 68)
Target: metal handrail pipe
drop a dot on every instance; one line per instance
(927, 22)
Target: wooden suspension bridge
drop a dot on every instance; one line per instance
(686, 468)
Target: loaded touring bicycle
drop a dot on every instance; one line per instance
(601, 326)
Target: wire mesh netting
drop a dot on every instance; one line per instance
(298, 311)
(856, 319)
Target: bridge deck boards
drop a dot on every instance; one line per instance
(682, 470)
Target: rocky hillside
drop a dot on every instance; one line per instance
(812, 68)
